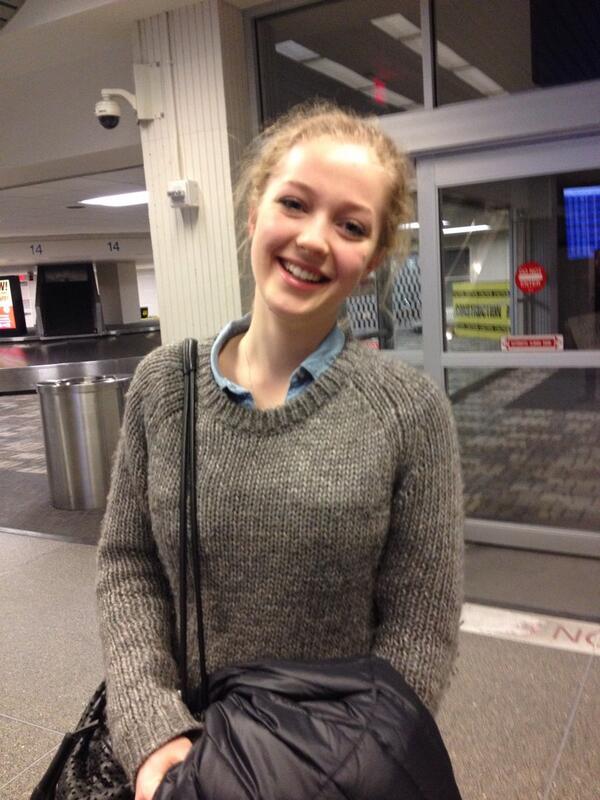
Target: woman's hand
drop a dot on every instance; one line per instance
(153, 770)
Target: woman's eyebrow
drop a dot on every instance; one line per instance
(349, 205)
(299, 185)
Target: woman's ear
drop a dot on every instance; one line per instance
(375, 261)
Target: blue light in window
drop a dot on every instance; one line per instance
(582, 216)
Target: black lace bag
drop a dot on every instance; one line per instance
(84, 767)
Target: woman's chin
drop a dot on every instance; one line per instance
(300, 313)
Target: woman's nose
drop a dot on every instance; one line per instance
(313, 237)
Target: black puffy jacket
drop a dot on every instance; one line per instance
(337, 730)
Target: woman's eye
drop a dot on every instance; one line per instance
(291, 204)
(354, 229)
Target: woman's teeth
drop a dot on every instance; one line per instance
(300, 273)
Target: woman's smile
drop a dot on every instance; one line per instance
(299, 275)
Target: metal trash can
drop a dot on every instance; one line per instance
(81, 418)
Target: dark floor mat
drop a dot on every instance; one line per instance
(564, 390)
(26, 506)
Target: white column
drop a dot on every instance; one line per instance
(206, 123)
(108, 289)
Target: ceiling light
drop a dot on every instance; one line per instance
(383, 94)
(414, 43)
(295, 51)
(479, 80)
(396, 25)
(466, 229)
(399, 27)
(118, 200)
(414, 226)
(447, 58)
(339, 73)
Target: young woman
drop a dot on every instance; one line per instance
(329, 493)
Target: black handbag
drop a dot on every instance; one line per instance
(343, 729)
(84, 766)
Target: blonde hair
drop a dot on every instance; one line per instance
(312, 120)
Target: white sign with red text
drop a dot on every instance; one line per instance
(541, 343)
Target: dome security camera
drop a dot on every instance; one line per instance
(108, 113)
(147, 104)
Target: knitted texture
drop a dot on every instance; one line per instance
(329, 527)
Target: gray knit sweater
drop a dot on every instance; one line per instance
(330, 526)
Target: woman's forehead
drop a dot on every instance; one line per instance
(327, 157)
(334, 150)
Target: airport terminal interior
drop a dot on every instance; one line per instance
(108, 235)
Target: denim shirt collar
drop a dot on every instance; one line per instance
(309, 370)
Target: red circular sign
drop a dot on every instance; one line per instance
(531, 277)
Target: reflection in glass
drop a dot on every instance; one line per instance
(365, 56)
(522, 258)
(530, 444)
(386, 309)
(485, 49)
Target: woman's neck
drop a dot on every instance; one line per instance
(275, 347)
(265, 357)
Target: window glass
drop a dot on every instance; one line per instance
(485, 49)
(350, 51)
(530, 444)
(521, 258)
(386, 310)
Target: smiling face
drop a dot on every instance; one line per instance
(315, 231)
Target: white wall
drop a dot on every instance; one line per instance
(107, 279)
(55, 249)
(146, 282)
(492, 252)
(53, 132)
(128, 292)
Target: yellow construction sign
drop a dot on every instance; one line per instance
(481, 310)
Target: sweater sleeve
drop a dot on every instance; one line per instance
(420, 578)
(135, 606)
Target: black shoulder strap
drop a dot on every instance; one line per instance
(188, 527)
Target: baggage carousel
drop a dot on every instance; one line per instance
(24, 361)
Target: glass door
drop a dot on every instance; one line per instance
(510, 270)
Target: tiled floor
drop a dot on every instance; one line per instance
(530, 447)
(24, 480)
(521, 722)
(21, 435)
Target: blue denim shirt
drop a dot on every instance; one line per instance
(308, 371)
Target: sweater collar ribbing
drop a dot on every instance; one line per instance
(274, 420)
